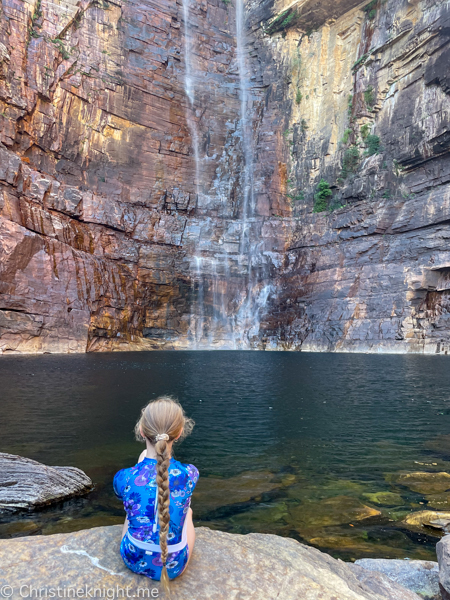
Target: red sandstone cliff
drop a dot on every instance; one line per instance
(114, 237)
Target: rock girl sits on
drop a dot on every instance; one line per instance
(158, 533)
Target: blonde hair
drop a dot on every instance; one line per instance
(163, 416)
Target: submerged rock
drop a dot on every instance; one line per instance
(439, 501)
(419, 576)
(28, 484)
(385, 498)
(443, 555)
(332, 511)
(422, 483)
(440, 444)
(212, 493)
(223, 566)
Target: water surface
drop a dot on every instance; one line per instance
(288, 443)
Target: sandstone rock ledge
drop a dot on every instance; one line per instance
(28, 484)
(224, 567)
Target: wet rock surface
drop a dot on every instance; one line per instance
(253, 566)
(443, 555)
(27, 484)
(419, 576)
(429, 518)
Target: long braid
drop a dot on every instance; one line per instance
(163, 418)
(162, 481)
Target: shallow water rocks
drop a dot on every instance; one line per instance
(427, 518)
(385, 498)
(332, 511)
(224, 566)
(443, 555)
(439, 501)
(419, 576)
(423, 483)
(27, 484)
(443, 524)
(215, 492)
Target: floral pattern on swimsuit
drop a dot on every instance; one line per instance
(137, 489)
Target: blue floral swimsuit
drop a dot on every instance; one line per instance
(137, 488)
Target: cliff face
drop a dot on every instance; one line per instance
(158, 179)
(370, 115)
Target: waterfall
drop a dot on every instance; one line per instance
(198, 319)
(257, 292)
(189, 88)
(247, 138)
(226, 304)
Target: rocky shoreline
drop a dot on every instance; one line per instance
(225, 561)
(224, 566)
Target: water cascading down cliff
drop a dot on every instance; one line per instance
(223, 315)
(214, 174)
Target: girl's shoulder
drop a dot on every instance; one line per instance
(177, 468)
(120, 481)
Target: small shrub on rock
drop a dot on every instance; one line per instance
(372, 145)
(350, 162)
(321, 197)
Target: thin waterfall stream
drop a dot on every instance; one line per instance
(222, 314)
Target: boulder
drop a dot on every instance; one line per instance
(224, 566)
(419, 576)
(428, 518)
(27, 484)
(443, 524)
(443, 555)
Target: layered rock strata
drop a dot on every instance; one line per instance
(159, 194)
(27, 484)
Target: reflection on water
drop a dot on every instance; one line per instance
(312, 446)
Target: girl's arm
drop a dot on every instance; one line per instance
(125, 527)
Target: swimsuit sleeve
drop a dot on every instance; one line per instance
(119, 483)
(193, 476)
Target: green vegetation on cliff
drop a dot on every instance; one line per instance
(371, 9)
(350, 161)
(369, 98)
(321, 197)
(372, 144)
(281, 22)
(365, 130)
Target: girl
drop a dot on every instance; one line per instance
(158, 534)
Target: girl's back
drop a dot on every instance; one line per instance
(138, 490)
(158, 533)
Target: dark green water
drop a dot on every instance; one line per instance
(287, 443)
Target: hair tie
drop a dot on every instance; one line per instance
(162, 436)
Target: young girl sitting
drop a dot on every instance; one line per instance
(158, 533)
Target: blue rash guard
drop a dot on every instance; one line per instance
(137, 488)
